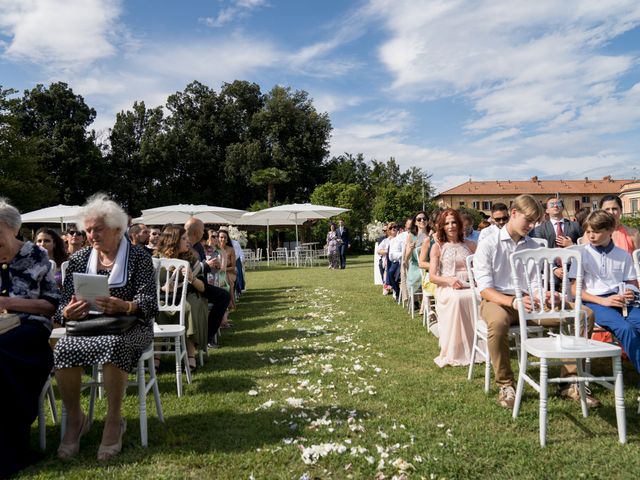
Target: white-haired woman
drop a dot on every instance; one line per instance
(29, 296)
(132, 292)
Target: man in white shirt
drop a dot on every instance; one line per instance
(396, 246)
(499, 217)
(493, 276)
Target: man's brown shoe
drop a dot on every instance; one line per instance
(507, 397)
(572, 392)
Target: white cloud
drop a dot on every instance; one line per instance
(238, 9)
(65, 33)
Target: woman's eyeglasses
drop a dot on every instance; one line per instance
(420, 219)
(394, 228)
(75, 233)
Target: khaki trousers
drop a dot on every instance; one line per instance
(499, 319)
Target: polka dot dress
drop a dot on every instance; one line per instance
(122, 350)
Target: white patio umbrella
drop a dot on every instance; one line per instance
(298, 213)
(59, 213)
(181, 213)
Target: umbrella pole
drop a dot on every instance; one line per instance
(268, 242)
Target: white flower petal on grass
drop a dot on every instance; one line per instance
(402, 465)
(370, 460)
(295, 402)
(265, 405)
(252, 393)
(440, 425)
(417, 458)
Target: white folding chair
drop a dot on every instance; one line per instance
(481, 331)
(173, 336)
(429, 317)
(47, 391)
(636, 262)
(143, 389)
(531, 268)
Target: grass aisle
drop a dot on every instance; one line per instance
(322, 377)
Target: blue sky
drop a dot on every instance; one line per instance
(482, 89)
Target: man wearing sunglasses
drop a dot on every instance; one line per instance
(499, 216)
(557, 231)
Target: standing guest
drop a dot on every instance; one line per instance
(467, 224)
(609, 282)
(557, 231)
(499, 217)
(216, 296)
(495, 284)
(454, 302)
(132, 291)
(154, 238)
(626, 238)
(332, 247)
(344, 245)
(239, 284)
(396, 246)
(54, 245)
(75, 240)
(28, 291)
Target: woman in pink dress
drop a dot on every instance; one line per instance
(624, 237)
(454, 305)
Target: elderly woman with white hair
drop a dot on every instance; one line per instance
(28, 299)
(132, 291)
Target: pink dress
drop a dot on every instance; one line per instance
(454, 308)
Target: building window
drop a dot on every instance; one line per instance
(462, 204)
(476, 205)
(586, 199)
(634, 205)
(486, 205)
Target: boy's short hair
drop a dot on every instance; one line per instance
(599, 221)
(528, 206)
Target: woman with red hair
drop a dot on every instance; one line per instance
(453, 295)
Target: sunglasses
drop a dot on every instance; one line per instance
(75, 233)
(504, 219)
(555, 204)
(420, 219)
(394, 228)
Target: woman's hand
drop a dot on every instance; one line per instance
(75, 309)
(454, 283)
(112, 305)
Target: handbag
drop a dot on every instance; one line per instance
(101, 326)
(8, 321)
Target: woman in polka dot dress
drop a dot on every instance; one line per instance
(132, 291)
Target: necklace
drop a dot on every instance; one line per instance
(105, 264)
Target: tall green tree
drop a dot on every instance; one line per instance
(57, 121)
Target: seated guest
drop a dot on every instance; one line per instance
(411, 254)
(154, 238)
(493, 276)
(28, 292)
(54, 245)
(499, 217)
(383, 253)
(402, 237)
(132, 291)
(454, 299)
(174, 244)
(394, 255)
(139, 235)
(75, 240)
(581, 216)
(467, 224)
(606, 268)
(227, 273)
(217, 297)
(627, 238)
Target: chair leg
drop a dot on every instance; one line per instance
(178, 354)
(583, 393)
(487, 368)
(142, 402)
(52, 403)
(619, 397)
(185, 356)
(544, 375)
(156, 390)
(42, 421)
(472, 360)
(93, 390)
(520, 387)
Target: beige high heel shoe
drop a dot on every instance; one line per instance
(107, 452)
(66, 451)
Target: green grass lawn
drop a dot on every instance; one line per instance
(323, 377)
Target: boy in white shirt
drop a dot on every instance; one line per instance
(606, 269)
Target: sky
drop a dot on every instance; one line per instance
(483, 89)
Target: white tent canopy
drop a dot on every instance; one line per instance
(58, 214)
(181, 213)
(292, 214)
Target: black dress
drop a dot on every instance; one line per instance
(25, 355)
(121, 350)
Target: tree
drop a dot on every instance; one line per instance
(135, 155)
(269, 177)
(57, 121)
